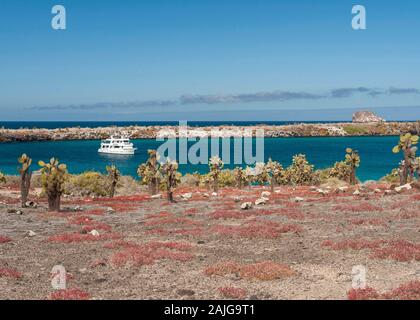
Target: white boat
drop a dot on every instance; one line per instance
(117, 145)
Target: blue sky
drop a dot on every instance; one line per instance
(208, 60)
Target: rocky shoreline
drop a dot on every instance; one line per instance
(270, 131)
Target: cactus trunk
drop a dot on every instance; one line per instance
(25, 184)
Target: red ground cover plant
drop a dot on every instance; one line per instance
(191, 211)
(171, 220)
(147, 254)
(159, 215)
(182, 231)
(95, 212)
(399, 250)
(69, 294)
(360, 207)
(227, 214)
(10, 273)
(371, 222)
(4, 239)
(406, 291)
(233, 293)
(353, 244)
(79, 237)
(256, 229)
(264, 271)
(367, 293)
(97, 226)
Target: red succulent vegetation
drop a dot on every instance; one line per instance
(69, 294)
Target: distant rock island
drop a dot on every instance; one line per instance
(366, 117)
(370, 126)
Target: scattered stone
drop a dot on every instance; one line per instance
(31, 233)
(356, 193)
(389, 192)
(77, 208)
(186, 196)
(214, 194)
(261, 201)
(246, 205)
(31, 204)
(265, 194)
(94, 233)
(206, 195)
(377, 191)
(185, 292)
(237, 199)
(15, 211)
(109, 210)
(313, 188)
(405, 187)
(343, 189)
(156, 196)
(323, 192)
(298, 199)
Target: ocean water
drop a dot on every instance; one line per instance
(377, 158)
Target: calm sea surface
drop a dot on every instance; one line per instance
(377, 158)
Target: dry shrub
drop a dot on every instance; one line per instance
(10, 273)
(4, 239)
(367, 293)
(256, 229)
(227, 214)
(361, 207)
(147, 254)
(264, 271)
(69, 294)
(399, 250)
(406, 291)
(78, 237)
(371, 222)
(233, 293)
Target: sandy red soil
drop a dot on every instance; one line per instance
(207, 248)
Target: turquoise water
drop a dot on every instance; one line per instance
(375, 152)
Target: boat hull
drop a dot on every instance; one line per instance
(122, 152)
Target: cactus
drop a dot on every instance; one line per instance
(341, 170)
(2, 178)
(301, 172)
(353, 161)
(25, 177)
(410, 165)
(275, 173)
(240, 177)
(149, 172)
(261, 175)
(53, 177)
(215, 165)
(113, 177)
(171, 177)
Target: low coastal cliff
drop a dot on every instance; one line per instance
(270, 131)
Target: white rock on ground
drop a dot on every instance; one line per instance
(356, 193)
(31, 233)
(246, 205)
(214, 194)
(265, 194)
(298, 199)
(156, 196)
(261, 201)
(187, 196)
(94, 233)
(404, 187)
